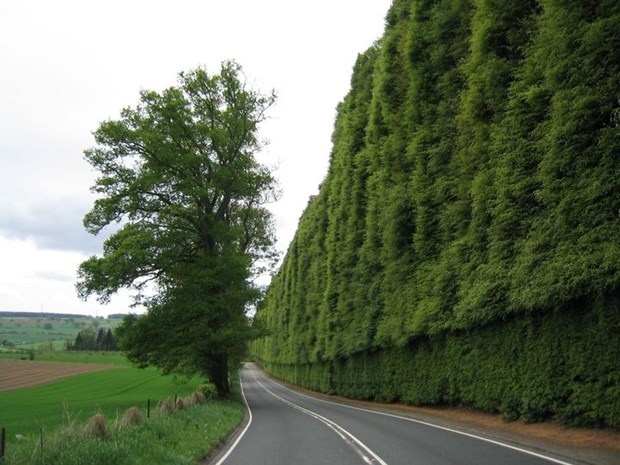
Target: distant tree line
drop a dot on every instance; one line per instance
(89, 339)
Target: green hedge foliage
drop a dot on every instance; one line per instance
(473, 188)
(561, 365)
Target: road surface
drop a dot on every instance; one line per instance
(289, 428)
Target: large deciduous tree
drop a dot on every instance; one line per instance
(179, 174)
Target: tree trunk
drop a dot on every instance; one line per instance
(219, 374)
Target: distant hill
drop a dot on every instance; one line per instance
(112, 316)
(42, 315)
(43, 331)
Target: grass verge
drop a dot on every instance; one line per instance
(185, 437)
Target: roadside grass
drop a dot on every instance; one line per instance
(14, 354)
(28, 410)
(185, 437)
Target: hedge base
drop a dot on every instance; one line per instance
(563, 364)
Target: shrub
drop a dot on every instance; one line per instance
(208, 389)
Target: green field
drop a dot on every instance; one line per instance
(59, 410)
(28, 332)
(104, 358)
(25, 411)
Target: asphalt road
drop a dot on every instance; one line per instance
(289, 428)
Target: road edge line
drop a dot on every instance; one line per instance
(238, 440)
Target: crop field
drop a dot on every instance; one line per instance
(111, 391)
(16, 374)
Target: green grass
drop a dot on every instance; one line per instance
(105, 358)
(25, 411)
(186, 437)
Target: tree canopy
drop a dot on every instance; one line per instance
(179, 174)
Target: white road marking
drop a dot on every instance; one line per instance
(348, 437)
(481, 438)
(229, 451)
(362, 449)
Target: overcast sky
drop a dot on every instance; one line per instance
(67, 65)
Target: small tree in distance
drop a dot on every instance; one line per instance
(179, 173)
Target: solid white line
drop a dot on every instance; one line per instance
(362, 449)
(229, 451)
(481, 438)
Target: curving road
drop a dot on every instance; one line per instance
(285, 427)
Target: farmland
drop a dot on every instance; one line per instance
(48, 406)
(47, 392)
(31, 331)
(18, 374)
(57, 413)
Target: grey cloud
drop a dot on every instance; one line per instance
(52, 224)
(55, 276)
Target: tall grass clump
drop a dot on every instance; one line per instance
(96, 427)
(132, 416)
(166, 407)
(181, 404)
(198, 398)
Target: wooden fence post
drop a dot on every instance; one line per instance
(148, 408)
(2, 443)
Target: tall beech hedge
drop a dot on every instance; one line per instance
(464, 247)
